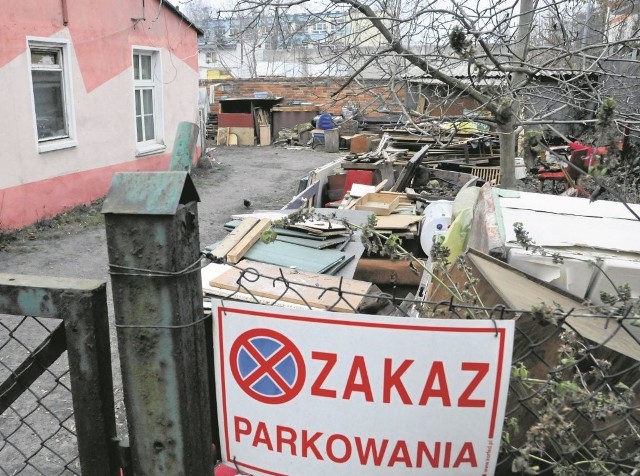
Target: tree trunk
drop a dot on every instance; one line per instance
(507, 136)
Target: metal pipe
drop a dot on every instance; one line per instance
(65, 13)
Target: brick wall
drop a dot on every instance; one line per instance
(373, 97)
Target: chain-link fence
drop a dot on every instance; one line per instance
(56, 391)
(37, 427)
(573, 404)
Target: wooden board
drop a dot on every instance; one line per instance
(234, 237)
(223, 136)
(309, 285)
(325, 227)
(397, 222)
(244, 135)
(410, 169)
(265, 135)
(500, 283)
(281, 231)
(248, 240)
(386, 271)
(378, 203)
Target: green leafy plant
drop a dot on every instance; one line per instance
(577, 394)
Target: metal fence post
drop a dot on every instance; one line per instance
(153, 243)
(184, 147)
(82, 305)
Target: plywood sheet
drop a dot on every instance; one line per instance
(245, 135)
(304, 287)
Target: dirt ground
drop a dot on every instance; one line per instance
(74, 245)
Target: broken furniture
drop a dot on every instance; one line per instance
(568, 174)
(487, 173)
(379, 203)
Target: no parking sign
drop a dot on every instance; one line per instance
(315, 393)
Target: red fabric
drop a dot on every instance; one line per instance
(551, 176)
(224, 470)
(592, 153)
(578, 146)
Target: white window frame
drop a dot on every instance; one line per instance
(320, 27)
(63, 46)
(155, 145)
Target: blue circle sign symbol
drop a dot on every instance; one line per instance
(267, 366)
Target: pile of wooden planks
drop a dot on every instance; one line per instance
(313, 245)
(447, 145)
(252, 280)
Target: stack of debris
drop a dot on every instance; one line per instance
(457, 142)
(212, 127)
(374, 219)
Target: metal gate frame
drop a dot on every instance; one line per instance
(82, 306)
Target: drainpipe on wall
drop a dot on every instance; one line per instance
(65, 13)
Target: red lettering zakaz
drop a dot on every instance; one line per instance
(394, 380)
(442, 392)
(481, 369)
(358, 369)
(316, 387)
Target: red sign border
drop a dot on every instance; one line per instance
(222, 310)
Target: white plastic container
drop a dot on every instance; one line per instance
(437, 218)
(521, 169)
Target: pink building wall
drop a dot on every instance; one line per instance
(101, 37)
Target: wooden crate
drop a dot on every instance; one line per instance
(488, 174)
(379, 203)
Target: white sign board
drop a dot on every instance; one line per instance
(308, 393)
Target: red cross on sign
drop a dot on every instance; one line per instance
(267, 366)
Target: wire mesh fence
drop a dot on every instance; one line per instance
(37, 427)
(573, 404)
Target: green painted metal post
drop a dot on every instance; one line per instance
(153, 241)
(82, 305)
(184, 147)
